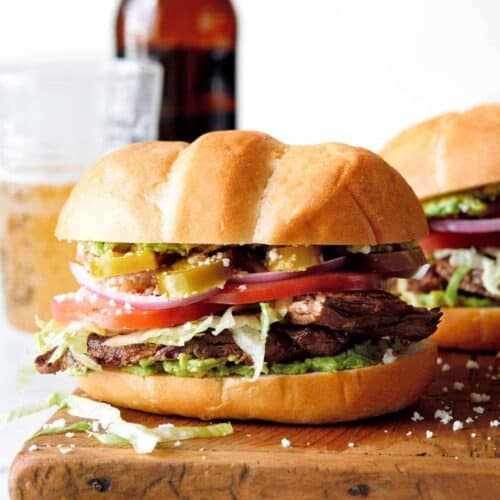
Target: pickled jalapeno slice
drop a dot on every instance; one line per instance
(291, 258)
(185, 280)
(109, 264)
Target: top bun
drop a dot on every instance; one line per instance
(240, 187)
(452, 152)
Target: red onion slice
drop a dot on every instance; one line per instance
(267, 277)
(465, 225)
(135, 300)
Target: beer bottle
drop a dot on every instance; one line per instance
(195, 41)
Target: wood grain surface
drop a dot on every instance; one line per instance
(386, 457)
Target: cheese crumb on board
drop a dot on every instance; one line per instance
(286, 443)
(472, 365)
(475, 397)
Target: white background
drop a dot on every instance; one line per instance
(309, 71)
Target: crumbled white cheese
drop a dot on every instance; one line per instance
(473, 435)
(242, 287)
(417, 417)
(439, 361)
(478, 409)
(226, 262)
(388, 357)
(443, 416)
(177, 444)
(472, 365)
(350, 445)
(475, 397)
(458, 386)
(446, 367)
(33, 447)
(409, 433)
(457, 425)
(273, 255)
(469, 420)
(286, 443)
(428, 434)
(70, 434)
(495, 423)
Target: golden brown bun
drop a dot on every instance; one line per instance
(314, 398)
(469, 328)
(452, 152)
(237, 187)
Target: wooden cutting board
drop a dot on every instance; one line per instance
(390, 457)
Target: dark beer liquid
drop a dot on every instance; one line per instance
(198, 91)
(194, 40)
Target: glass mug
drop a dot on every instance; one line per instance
(55, 121)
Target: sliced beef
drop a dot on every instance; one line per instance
(471, 283)
(374, 313)
(318, 341)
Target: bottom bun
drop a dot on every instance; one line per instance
(469, 328)
(313, 398)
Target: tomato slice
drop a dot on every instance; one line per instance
(437, 240)
(237, 293)
(78, 307)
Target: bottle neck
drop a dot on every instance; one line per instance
(198, 24)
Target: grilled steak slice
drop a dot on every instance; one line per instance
(472, 281)
(374, 313)
(319, 341)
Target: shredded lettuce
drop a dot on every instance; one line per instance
(168, 432)
(172, 336)
(117, 431)
(62, 337)
(81, 426)
(451, 292)
(109, 439)
(252, 339)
